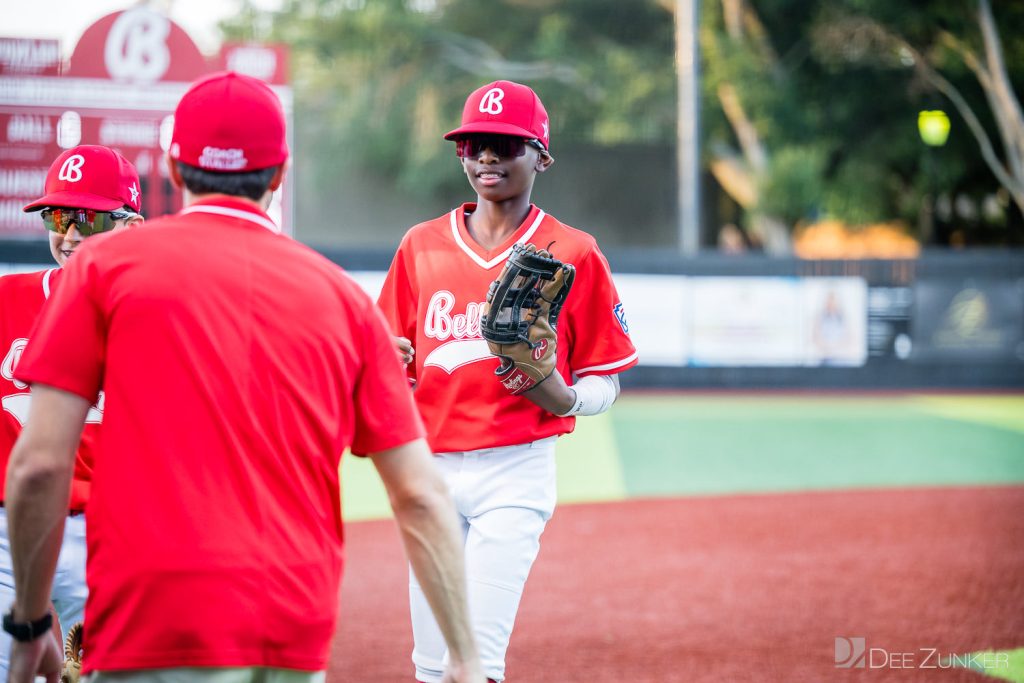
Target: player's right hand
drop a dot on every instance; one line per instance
(405, 350)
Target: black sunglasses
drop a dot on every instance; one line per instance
(505, 146)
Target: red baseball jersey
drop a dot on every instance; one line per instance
(433, 295)
(22, 296)
(238, 365)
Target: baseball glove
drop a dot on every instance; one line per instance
(72, 670)
(520, 317)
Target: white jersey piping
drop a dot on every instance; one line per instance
(233, 213)
(46, 282)
(500, 258)
(607, 366)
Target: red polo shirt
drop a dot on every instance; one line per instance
(237, 365)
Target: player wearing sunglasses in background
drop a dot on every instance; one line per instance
(89, 189)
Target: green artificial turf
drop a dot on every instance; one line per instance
(716, 444)
(692, 445)
(1013, 669)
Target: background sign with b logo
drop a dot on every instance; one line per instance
(136, 48)
(119, 89)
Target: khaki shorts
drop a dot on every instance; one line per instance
(252, 674)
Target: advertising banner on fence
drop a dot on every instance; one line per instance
(834, 321)
(677, 321)
(746, 321)
(775, 321)
(657, 307)
(977, 320)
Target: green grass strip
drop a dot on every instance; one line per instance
(589, 468)
(691, 444)
(587, 463)
(1006, 412)
(363, 495)
(1006, 665)
(701, 445)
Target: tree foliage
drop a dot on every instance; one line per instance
(809, 107)
(840, 83)
(378, 82)
(979, 48)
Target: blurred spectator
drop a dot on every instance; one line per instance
(832, 334)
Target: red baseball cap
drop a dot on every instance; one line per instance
(505, 108)
(90, 177)
(229, 123)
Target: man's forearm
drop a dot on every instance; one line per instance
(38, 488)
(432, 544)
(426, 519)
(37, 502)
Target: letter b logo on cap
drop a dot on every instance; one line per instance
(490, 103)
(71, 169)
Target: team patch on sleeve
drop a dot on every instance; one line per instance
(620, 315)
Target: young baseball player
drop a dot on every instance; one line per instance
(88, 190)
(496, 449)
(238, 365)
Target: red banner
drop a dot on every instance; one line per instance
(120, 88)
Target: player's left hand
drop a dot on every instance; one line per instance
(39, 657)
(520, 315)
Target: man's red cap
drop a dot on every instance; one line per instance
(505, 108)
(90, 177)
(229, 123)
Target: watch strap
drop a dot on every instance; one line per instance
(25, 631)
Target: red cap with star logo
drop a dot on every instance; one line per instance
(90, 177)
(504, 108)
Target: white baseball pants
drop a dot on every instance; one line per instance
(504, 497)
(69, 588)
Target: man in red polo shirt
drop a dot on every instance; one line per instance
(237, 366)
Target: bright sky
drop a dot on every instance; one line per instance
(66, 20)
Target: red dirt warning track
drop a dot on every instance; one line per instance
(744, 588)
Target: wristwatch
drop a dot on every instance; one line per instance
(25, 631)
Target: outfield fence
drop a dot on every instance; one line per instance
(943, 320)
